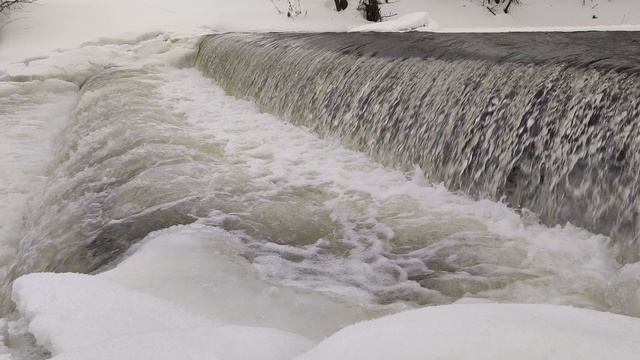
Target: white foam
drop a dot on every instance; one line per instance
(31, 114)
(396, 231)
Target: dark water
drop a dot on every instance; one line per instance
(545, 121)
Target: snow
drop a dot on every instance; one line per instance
(41, 29)
(404, 23)
(76, 65)
(84, 317)
(50, 25)
(487, 331)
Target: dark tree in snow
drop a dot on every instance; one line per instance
(341, 4)
(6, 5)
(371, 10)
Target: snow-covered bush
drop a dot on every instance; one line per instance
(295, 8)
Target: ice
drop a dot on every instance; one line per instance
(199, 268)
(84, 317)
(487, 332)
(91, 317)
(77, 65)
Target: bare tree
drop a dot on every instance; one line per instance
(506, 9)
(494, 5)
(6, 5)
(371, 10)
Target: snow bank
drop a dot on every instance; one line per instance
(404, 23)
(487, 331)
(41, 28)
(83, 317)
(50, 25)
(76, 65)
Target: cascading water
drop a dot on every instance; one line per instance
(550, 122)
(150, 147)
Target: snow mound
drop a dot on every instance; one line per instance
(83, 317)
(405, 23)
(77, 65)
(487, 331)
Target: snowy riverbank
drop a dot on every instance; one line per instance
(40, 28)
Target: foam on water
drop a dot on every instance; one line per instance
(532, 119)
(316, 215)
(31, 113)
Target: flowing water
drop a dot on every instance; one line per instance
(548, 122)
(145, 148)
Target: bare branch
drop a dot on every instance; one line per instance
(6, 5)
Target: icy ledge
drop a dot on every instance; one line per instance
(83, 317)
(152, 306)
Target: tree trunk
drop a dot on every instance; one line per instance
(506, 9)
(341, 4)
(372, 11)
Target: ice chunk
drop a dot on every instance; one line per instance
(487, 331)
(84, 317)
(199, 268)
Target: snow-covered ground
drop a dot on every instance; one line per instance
(62, 24)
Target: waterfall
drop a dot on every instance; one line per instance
(546, 122)
(143, 149)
